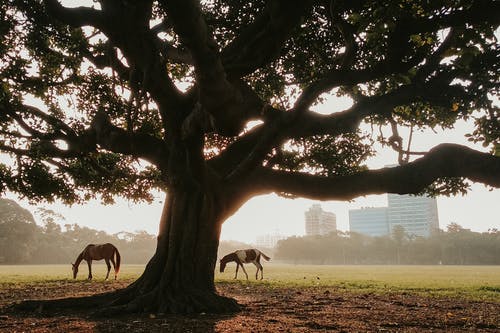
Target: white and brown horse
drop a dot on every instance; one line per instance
(241, 257)
(107, 251)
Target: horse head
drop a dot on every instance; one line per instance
(74, 268)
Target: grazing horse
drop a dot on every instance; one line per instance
(241, 257)
(98, 252)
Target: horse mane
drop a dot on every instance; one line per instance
(79, 258)
(229, 257)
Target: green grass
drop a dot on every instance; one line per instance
(40, 273)
(471, 282)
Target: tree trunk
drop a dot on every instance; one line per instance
(180, 276)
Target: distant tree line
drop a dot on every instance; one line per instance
(23, 241)
(455, 246)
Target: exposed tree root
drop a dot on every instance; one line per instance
(85, 302)
(172, 303)
(130, 300)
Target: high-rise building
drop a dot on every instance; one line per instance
(319, 222)
(369, 221)
(418, 216)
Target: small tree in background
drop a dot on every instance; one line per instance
(17, 233)
(398, 234)
(121, 97)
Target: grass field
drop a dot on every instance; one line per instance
(471, 282)
(40, 273)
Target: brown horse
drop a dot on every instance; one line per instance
(241, 257)
(98, 252)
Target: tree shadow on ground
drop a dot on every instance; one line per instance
(71, 321)
(265, 309)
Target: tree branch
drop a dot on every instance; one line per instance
(261, 42)
(60, 130)
(127, 27)
(480, 11)
(57, 123)
(445, 160)
(348, 34)
(226, 101)
(346, 77)
(107, 59)
(118, 140)
(75, 17)
(271, 135)
(251, 149)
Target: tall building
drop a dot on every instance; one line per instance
(319, 222)
(369, 221)
(418, 216)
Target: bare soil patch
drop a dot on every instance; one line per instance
(265, 309)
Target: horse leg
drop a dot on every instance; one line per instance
(114, 264)
(89, 263)
(244, 271)
(259, 267)
(109, 267)
(237, 267)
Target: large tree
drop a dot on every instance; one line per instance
(212, 103)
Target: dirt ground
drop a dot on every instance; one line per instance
(318, 309)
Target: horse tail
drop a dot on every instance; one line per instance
(118, 260)
(264, 256)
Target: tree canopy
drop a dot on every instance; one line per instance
(91, 96)
(213, 102)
